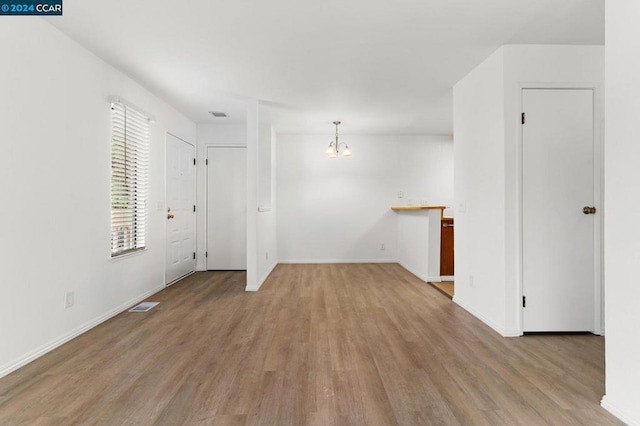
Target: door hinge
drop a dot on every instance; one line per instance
(194, 161)
(194, 208)
(194, 254)
(206, 254)
(206, 162)
(524, 301)
(523, 118)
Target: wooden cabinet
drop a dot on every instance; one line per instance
(446, 247)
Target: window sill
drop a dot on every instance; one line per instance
(129, 255)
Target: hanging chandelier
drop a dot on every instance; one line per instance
(333, 150)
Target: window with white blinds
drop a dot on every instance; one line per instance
(129, 178)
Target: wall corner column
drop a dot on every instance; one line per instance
(253, 120)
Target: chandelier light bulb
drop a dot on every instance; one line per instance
(333, 150)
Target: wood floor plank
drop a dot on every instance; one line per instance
(322, 344)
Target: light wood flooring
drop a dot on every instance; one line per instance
(318, 344)
(445, 287)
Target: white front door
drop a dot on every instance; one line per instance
(558, 237)
(226, 208)
(180, 212)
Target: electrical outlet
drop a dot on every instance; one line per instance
(383, 246)
(68, 299)
(471, 283)
(400, 194)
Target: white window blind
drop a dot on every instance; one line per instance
(129, 178)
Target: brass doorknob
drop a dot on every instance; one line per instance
(170, 216)
(589, 210)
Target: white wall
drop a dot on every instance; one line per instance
(486, 134)
(261, 223)
(339, 209)
(55, 174)
(266, 244)
(419, 242)
(479, 177)
(622, 227)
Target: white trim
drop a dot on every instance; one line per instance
(414, 272)
(128, 255)
(426, 279)
(226, 145)
(447, 277)
(180, 278)
(598, 197)
(598, 190)
(46, 348)
(616, 411)
(263, 279)
(296, 261)
(183, 140)
(496, 328)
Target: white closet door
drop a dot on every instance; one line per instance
(558, 237)
(227, 208)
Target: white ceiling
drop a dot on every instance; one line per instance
(382, 67)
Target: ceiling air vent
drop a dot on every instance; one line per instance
(218, 114)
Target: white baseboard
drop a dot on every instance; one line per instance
(296, 261)
(180, 279)
(447, 277)
(414, 272)
(619, 413)
(423, 277)
(495, 327)
(263, 279)
(42, 350)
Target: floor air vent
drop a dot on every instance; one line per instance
(143, 307)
